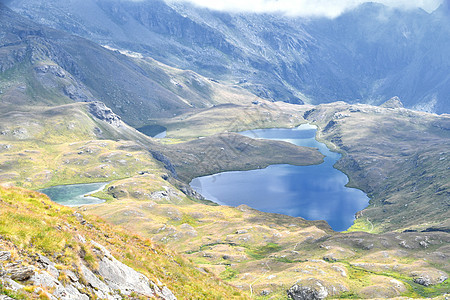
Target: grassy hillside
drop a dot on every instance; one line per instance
(398, 156)
(31, 224)
(265, 254)
(43, 146)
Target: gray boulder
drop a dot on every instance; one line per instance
(298, 292)
(5, 255)
(425, 280)
(20, 273)
(101, 111)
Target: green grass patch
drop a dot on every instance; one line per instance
(103, 195)
(287, 260)
(263, 251)
(416, 290)
(348, 295)
(362, 224)
(186, 219)
(13, 294)
(228, 274)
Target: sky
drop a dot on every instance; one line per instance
(306, 8)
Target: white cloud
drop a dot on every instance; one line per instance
(327, 8)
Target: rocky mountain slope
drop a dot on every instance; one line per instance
(47, 67)
(390, 53)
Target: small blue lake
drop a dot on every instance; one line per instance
(312, 192)
(75, 194)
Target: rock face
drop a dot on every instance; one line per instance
(20, 273)
(167, 163)
(297, 292)
(115, 279)
(101, 111)
(121, 277)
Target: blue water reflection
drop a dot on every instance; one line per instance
(313, 192)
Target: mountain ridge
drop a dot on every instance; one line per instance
(44, 65)
(285, 59)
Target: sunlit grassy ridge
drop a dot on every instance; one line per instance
(233, 118)
(79, 162)
(33, 223)
(41, 147)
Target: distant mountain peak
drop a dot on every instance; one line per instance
(371, 52)
(394, 102)
(444, 7)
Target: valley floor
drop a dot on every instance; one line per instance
(401, 161)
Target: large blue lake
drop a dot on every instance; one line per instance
(75, 194)
(312, 192)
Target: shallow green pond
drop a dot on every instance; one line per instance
(75, 194)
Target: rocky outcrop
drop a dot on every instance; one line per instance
(101, 111)
(315, 289)
(20, 273)
(394, 102)
(298, 292)
(429, 277)
(111, 280)
(167, 163)
(118, 276)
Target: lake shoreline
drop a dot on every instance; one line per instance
(346, 204)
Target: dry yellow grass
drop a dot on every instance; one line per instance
(30, 221)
